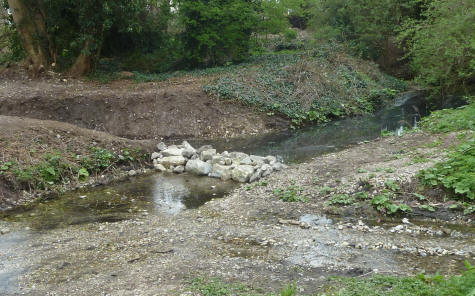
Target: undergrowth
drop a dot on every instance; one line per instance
(57, 169)
(376, 285)
(312, 86)
(292, 193)
(420, 285)
(457, 173)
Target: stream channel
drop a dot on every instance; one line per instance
(167, 194)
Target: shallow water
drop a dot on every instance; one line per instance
(156, 193)
(168, 194)
(303, 144)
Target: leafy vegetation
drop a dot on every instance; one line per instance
(57, 169)
(292, 193)
(376, 285)
(341, 199)
(440, 44)
(314, 86)
(420, 285)
(457, 173)
(450, 120)
(383, 203)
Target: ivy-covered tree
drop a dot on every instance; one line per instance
(69, 34)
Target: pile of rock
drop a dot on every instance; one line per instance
(205, 161)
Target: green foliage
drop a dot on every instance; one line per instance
(100, 160)
(420, 285)
(316, 86)
(215, 287)
(289, 290)
(292, 193)
(367, 25)
(382, 202)
(341, 199)
(392, 185)
(216, 32)
(54, 169)
(449, 120)
(456, 174)
(427, 208)
(362, 195)
(11, 49)
(441, 44)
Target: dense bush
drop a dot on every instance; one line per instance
(216, 32)
(441, 45)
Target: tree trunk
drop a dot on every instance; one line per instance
(84, 62)
(31, 26)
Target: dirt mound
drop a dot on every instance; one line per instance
(175, 109)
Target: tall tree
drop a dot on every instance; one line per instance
(70, 33)
(30, 19)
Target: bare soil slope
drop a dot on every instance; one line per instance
(173, 109)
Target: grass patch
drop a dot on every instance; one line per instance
(450, 120)
(420, 285)
(59, 169)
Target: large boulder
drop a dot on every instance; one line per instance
(208, 154)
(246, 161)
(221, 172)
(203, 148)
(270, 159)
(242, 173)
(217, 159)
(266, 170)
(188, 150)
(173, 151)
(278, 166)
(257, 160)
(256, 176)
(198, 167)
(179, 169)
(158, 166)
(169, 161)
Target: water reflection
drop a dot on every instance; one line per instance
(169, 194)
(159, 193)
